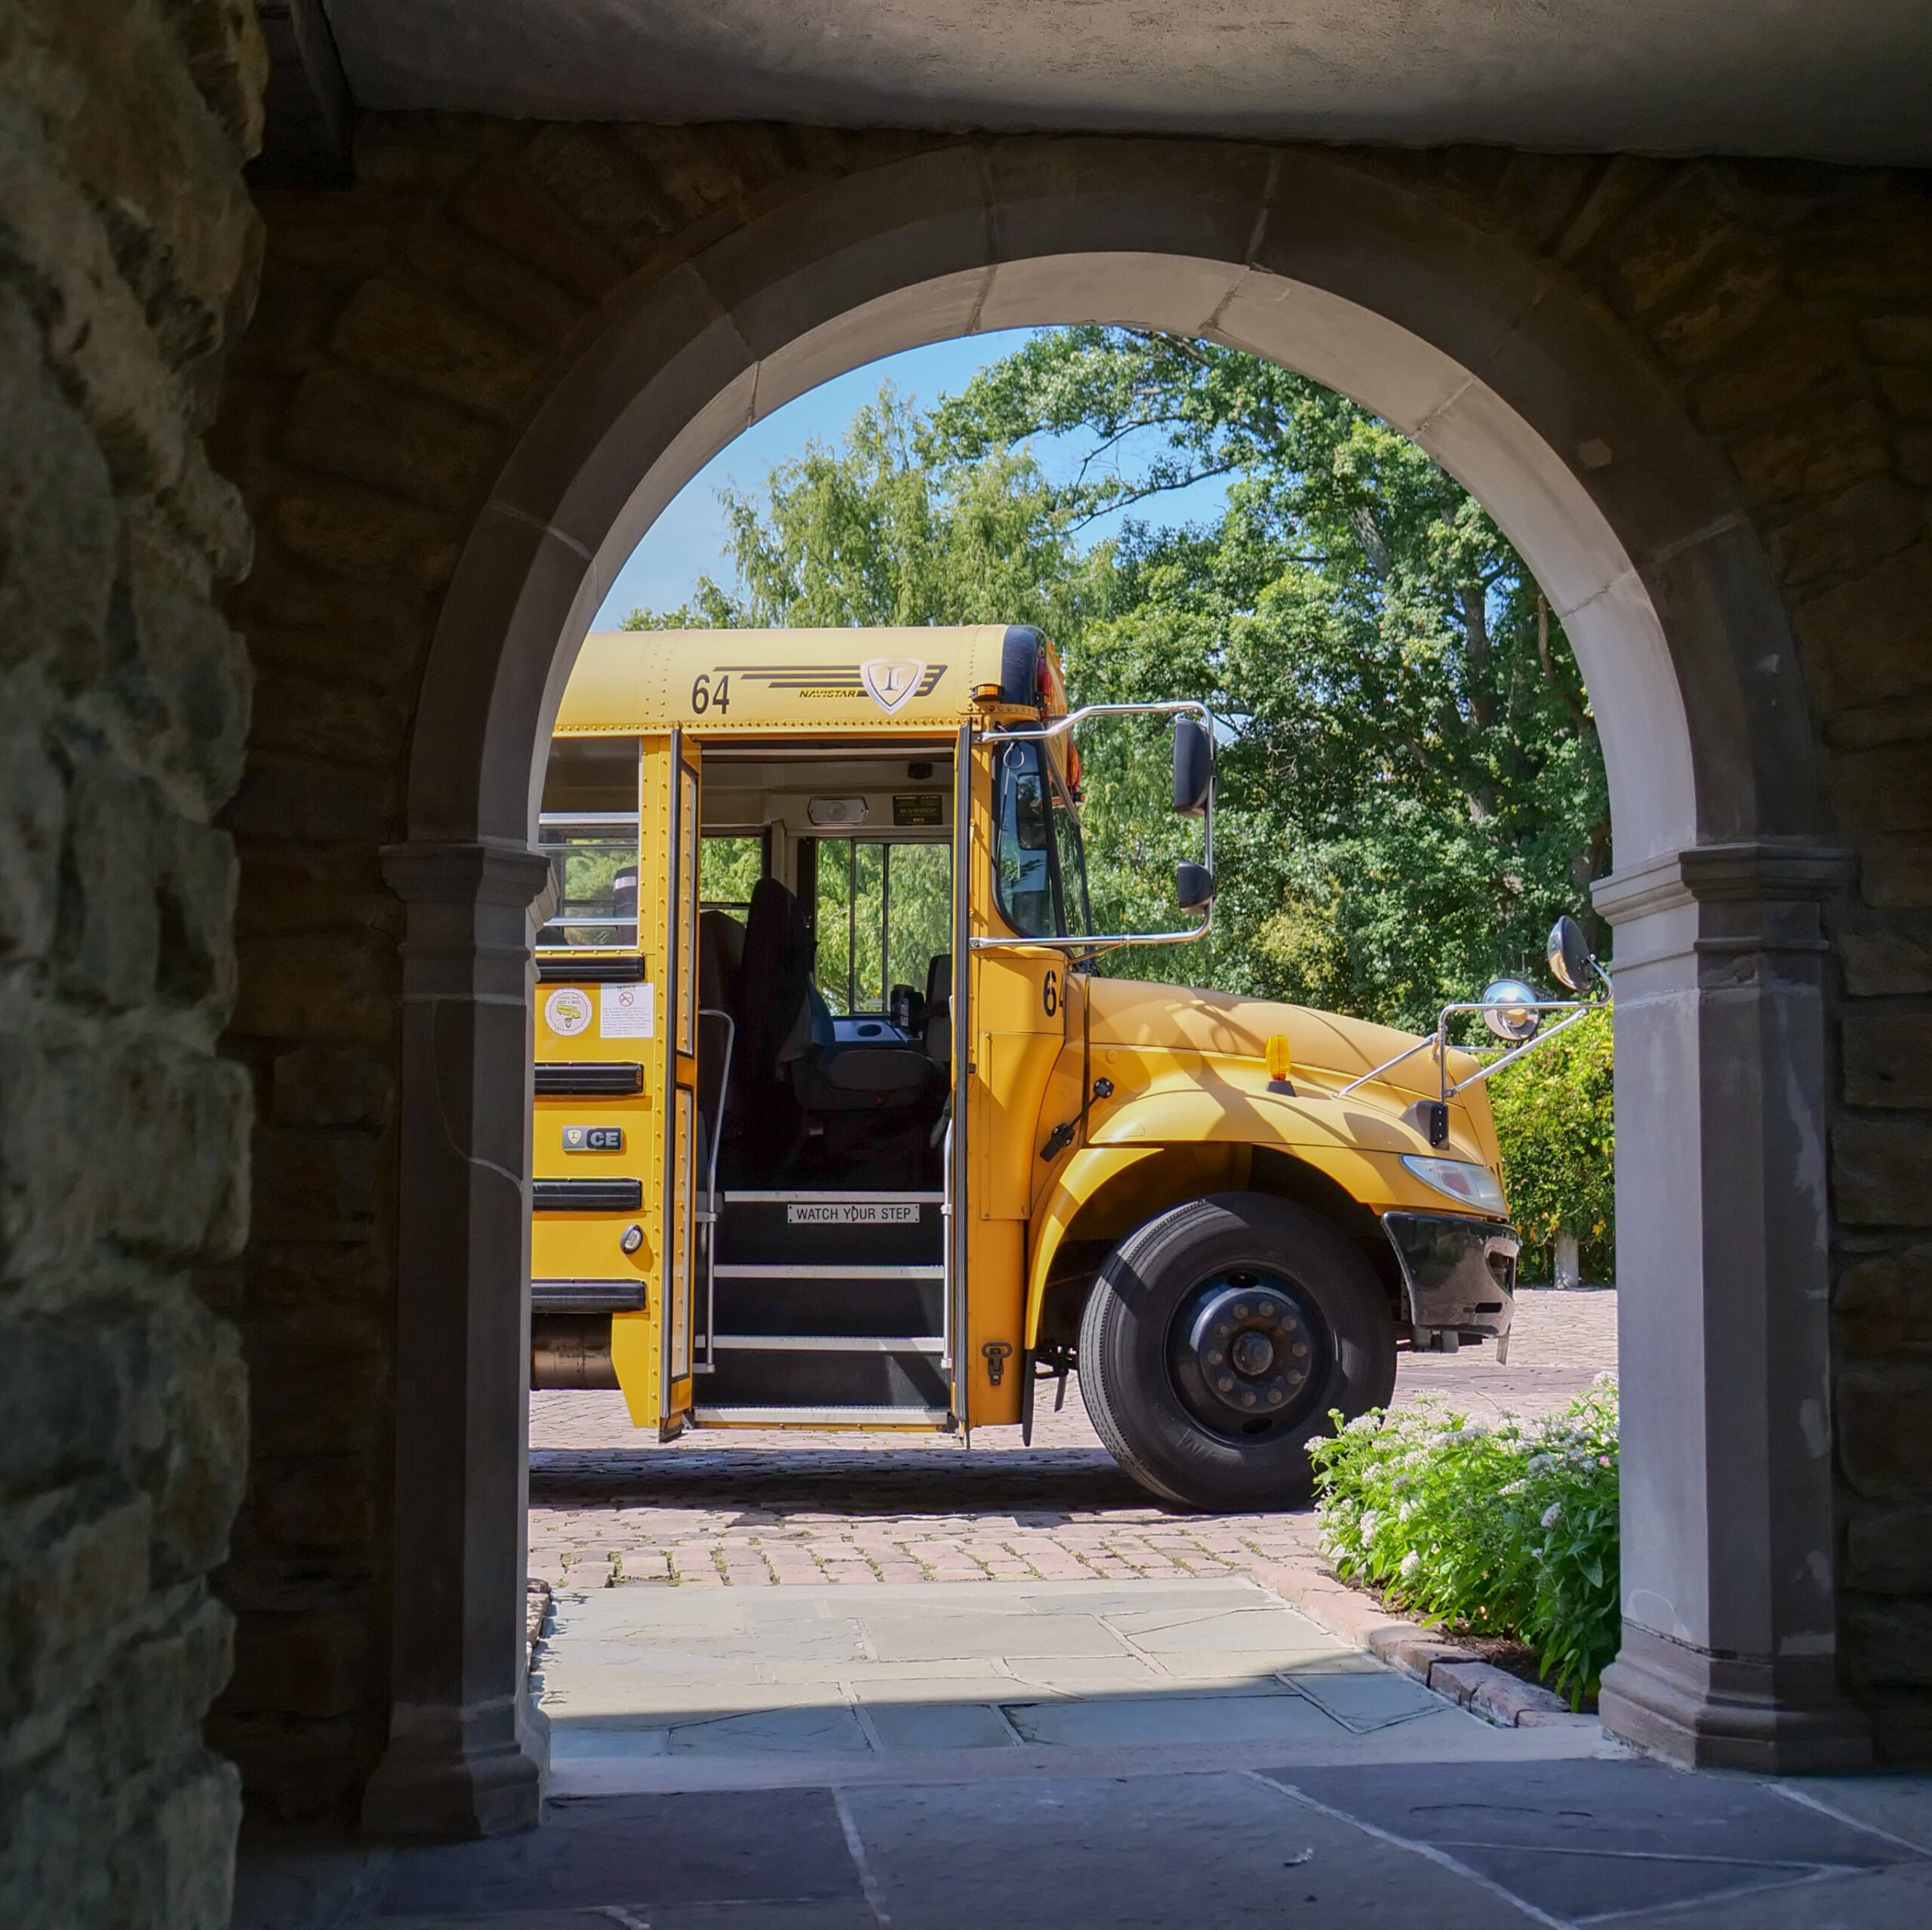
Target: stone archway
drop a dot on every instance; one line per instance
(1631, 521)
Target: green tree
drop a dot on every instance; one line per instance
(1411, 788)
(879, 531)
(1556, 1126)
(1412, 785)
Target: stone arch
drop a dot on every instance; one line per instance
(1497, 364)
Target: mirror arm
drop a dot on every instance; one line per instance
(1097, 942)
(1387, 1065)
(1583, 1010)
(1061, 725)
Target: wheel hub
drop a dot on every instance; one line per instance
(1245, 1353)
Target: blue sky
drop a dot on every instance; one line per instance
(687, 540)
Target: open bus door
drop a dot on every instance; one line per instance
(669, 818)
(1017, 1005)
(616, 1141)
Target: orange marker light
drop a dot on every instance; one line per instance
(1279, 1064)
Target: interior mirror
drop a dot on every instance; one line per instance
(1509, 1010)
(1194, 767)
(1569, 959)
(1194, 885)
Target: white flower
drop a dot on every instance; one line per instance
(1405, 1510)
(1411, 1562)
(1369, 1523)
(1552, 1514)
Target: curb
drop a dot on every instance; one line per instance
(1455, 1673)
(536, 1617)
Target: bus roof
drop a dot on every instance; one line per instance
(900, 681)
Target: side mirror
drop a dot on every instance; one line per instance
(1569, 959)
(1194, 769)
(1194, 886)
(1509, 1009)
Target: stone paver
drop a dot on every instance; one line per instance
(1460, 1846)
(610, 1505)
(658, 1689)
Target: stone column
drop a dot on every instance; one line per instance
(467, 1753)
(1729, 1554)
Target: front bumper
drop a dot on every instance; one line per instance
(1458, 1274)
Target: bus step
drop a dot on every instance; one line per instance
(831, 1343)
(893, 1372)
(831, 1229)
(936, 1417)
(892, 1301)
(791, 1270)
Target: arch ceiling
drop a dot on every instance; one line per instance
(1764, 77)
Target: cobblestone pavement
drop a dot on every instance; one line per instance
(758, 1509)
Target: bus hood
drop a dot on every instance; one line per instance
(1144, 1015)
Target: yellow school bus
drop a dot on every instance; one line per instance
(837, 1125)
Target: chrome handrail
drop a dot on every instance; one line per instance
(710, 1214)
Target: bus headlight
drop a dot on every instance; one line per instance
(1466, 1184)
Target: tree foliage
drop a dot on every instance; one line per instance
(880, 530)
(1411, 785)
(1556, 1123)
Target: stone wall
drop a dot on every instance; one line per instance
(408, 324)
(129, 254)
(1792, 306)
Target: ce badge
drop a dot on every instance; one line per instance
(593, 1139)
(890, 681)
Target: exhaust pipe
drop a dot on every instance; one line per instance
(571, 1351)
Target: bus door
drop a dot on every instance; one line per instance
(1019, 1003)
(640, 1015)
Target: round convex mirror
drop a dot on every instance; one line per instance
(1509, 1010)
(1570, 957)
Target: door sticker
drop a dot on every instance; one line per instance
(567, 1012)
(627, 1011)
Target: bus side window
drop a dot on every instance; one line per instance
(1023, 863)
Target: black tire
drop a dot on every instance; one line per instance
(1157, 1316)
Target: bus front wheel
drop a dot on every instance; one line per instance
(1216, 1341)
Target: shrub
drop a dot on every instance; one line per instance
(1502, 1530)
(1557, 1128)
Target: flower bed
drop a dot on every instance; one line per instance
(1502, 1530)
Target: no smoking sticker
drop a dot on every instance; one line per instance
(567, 1012)
(627, 1011)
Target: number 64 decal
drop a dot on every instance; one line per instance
(1050, 993)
